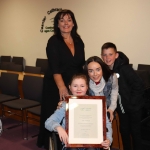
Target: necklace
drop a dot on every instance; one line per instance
(68, 42)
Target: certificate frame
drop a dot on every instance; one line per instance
(72, 113)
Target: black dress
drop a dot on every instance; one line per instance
(61, 61)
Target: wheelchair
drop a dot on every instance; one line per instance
(54, 142)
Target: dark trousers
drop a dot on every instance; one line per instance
(130, 129)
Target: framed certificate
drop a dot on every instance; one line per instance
(86, 121)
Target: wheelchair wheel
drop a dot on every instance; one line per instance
(55, 143)
(51, 144)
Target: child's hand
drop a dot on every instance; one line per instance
(62, 134)
(106, 144)
(111, 115)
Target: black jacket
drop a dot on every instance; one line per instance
(130, 85)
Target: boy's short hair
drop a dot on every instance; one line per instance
(108, 45)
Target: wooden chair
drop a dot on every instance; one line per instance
(144, 67)
(9, 88)
(144, 75)
(32, 92)
(18, 61)
(32, 69)
(131, 65)
(6, 65)
(33, 116)
(11, 67)
(5, 59)
(43, 63)
(15, 67)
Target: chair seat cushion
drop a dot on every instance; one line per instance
(21, 104)
(35, 110)
(4, 98)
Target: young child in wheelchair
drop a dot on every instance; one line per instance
(78, 87)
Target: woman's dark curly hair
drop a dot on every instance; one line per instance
(106, 71)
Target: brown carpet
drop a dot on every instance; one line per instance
(12, 139)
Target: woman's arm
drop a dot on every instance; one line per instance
(109, 127)
(113, 97)
(114, 93)
(106, 144)
(53, 56)
(61, 86)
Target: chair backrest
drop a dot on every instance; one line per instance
(43, 63)
(15, 67)
(131, 65)
(143, 67)
(9, 84)
(144, 75)
(32, 87)
(32, 69)
(6, 65)
(18, 61)
(5, 59)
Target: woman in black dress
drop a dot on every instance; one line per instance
(65, 52)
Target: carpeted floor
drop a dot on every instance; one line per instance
(11, 139)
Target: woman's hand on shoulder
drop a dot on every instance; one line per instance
(63, 91)
(62, 134)
(59, 104)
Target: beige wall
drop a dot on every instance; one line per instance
(126, 23)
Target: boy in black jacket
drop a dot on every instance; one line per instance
(130, 100)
